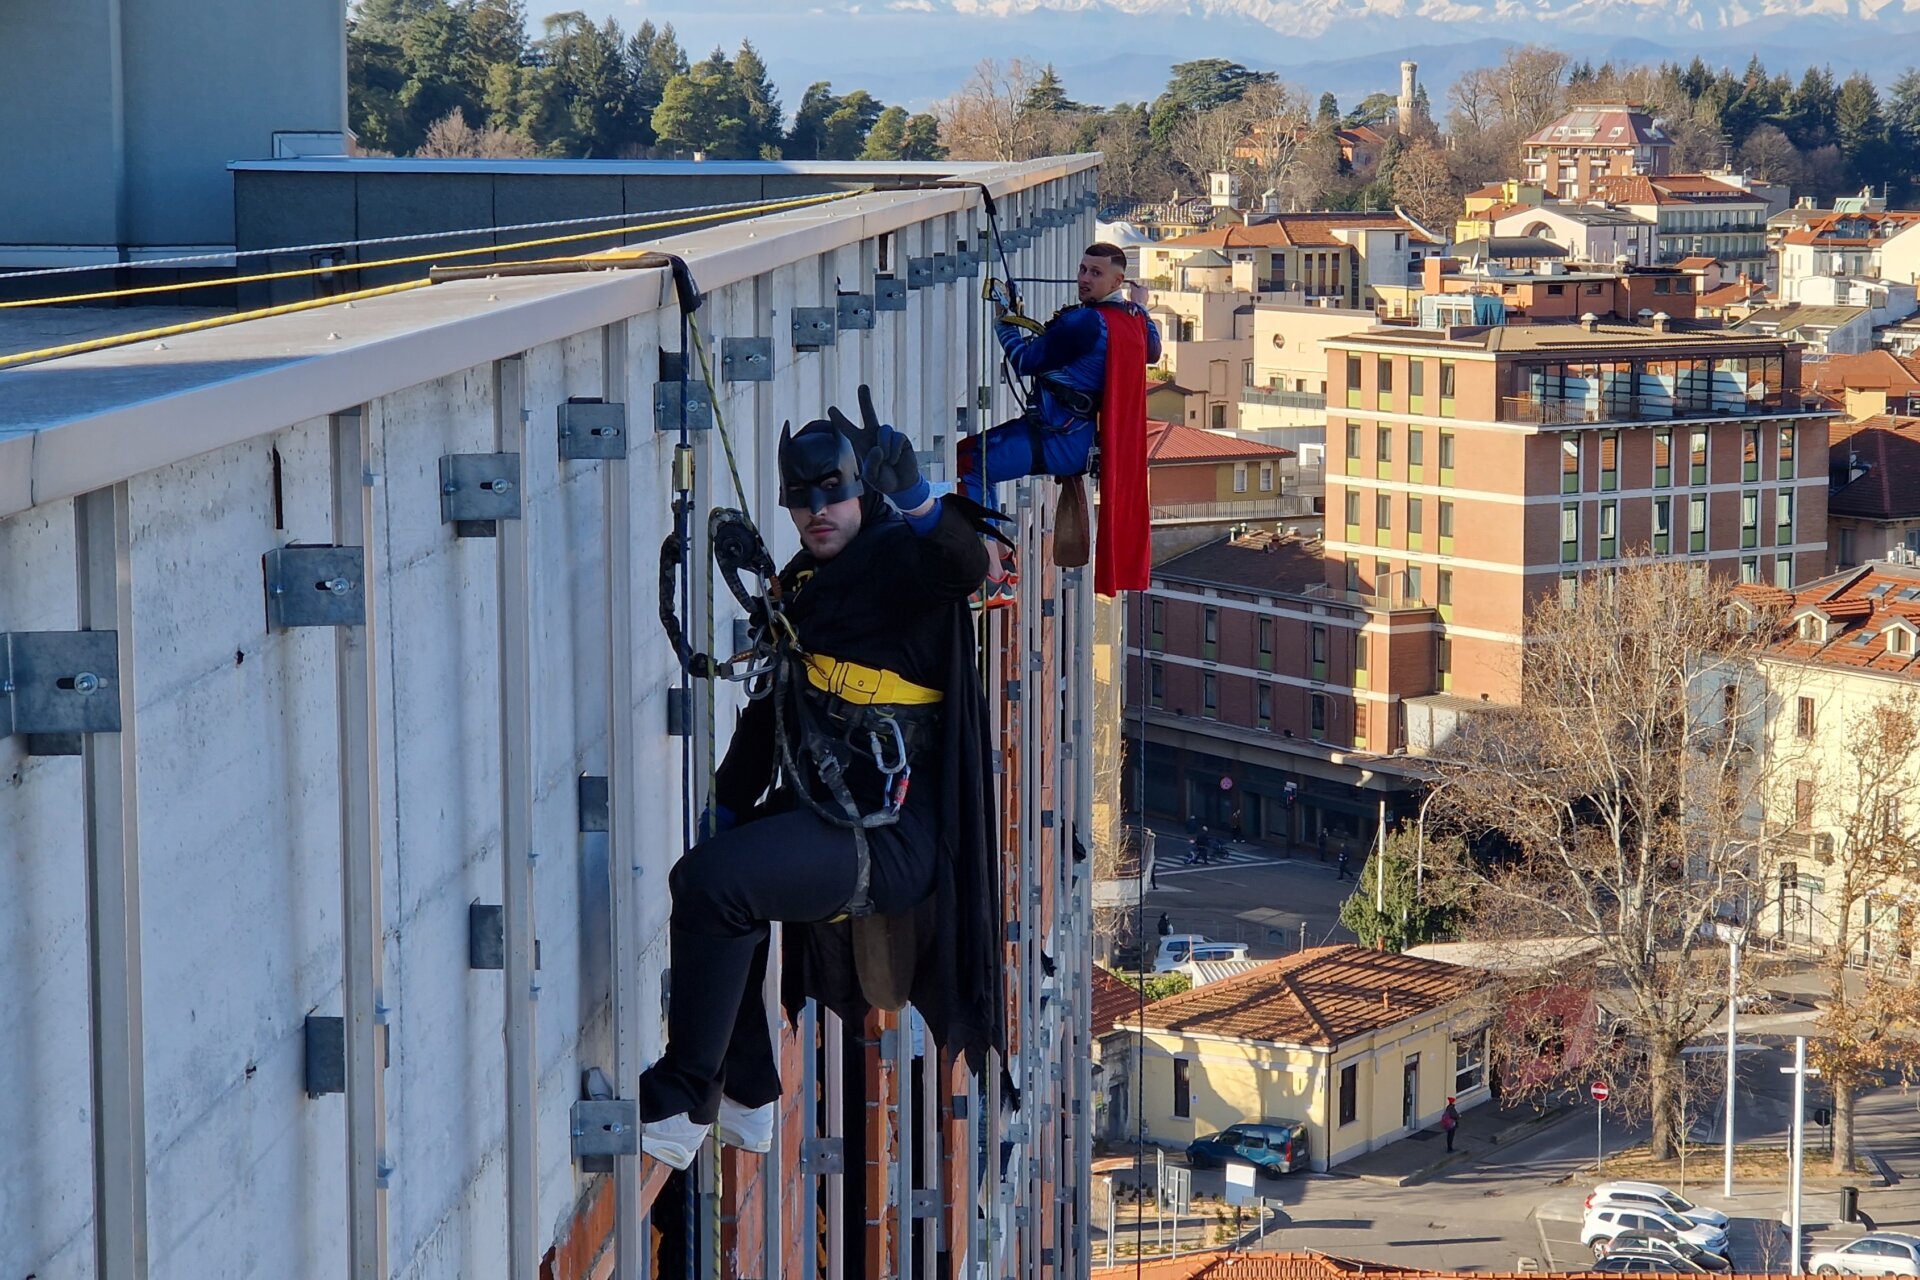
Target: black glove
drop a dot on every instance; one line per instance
(887, 459)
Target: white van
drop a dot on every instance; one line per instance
(1178, 948)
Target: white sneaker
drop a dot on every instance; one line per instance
(674, 1141)
(748, 1128)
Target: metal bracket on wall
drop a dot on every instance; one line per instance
(679, 713)
(316, 587)
(57, 686)
(604, 1127)
(854, 311)
(919, 273)
(326, 1055)
(889, 294)
(926, 1203)
(823, 1156)
(944, 269)
(477, 490)
(670, 398)
(591, 428)
(746, 359)
(813, 327)
(593, 804)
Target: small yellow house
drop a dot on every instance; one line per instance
(1364, 1046)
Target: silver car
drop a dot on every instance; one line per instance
(1882, 1253)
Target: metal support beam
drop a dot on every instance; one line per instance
(363, 1010)
(111, 789)
(631, 1238)
(834, 1037)
(516, 842)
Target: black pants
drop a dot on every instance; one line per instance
(790, 866)
(1450, 1134)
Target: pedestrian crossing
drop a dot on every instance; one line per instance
(1177, 865)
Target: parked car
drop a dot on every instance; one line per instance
(1605, 1221)
(1178, 948)
(1272, 1146)
(1667, 1246)
(1880, 1253)
(1651, 1195)
(1637, 1260)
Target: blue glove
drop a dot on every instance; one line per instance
(714, 819)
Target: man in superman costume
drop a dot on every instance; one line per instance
(1088, 366)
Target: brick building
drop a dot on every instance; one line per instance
(1592, 141)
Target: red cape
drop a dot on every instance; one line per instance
(1123, 549)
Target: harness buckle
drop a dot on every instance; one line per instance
(898, 773)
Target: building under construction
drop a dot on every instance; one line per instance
(345, 761)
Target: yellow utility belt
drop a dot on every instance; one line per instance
(865, 686)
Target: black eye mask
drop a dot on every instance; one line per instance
(817, 466)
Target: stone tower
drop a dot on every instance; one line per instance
(1409, 86)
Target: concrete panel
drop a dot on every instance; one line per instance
(59, 88)
(395, 205)
(645, 194)
(518, 199)
(276, 209)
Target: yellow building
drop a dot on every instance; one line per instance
(1364, 1046)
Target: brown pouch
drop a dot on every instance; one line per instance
(1072, 531)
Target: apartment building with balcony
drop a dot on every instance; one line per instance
(1588, 232)
(1287, 387)
(1720, 215)
(1333, 259)
(1475, 469)
(1569, 157)
(1199, 477)
(1206, 347)
(1871, 244)
(1873, 509)
(1555, 290)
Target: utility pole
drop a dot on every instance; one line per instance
(1733, 991)
(1796, 1161)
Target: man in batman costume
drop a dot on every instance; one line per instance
(855, 802)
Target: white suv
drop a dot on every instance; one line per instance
(1605, 1221)
(1883, 1253)
(1651, 1195)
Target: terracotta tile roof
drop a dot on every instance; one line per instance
(1886, 450)
(1492, 191)
(1298, 230)
(1853, 229)
(1220, 1265)
(1670, 189)
(1875, 370)
(1177, 442)
(1365, 134)
(1730, 295)
(1112, 1000)
(1860, 605)
(1602, 125)
(1696, 263)
(1324, 996)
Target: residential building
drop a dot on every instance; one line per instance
(1824, 331)
(1844, 644)
(1805, 212)
(1559, 291)
(1209, 477)
(1168, 401)
(1903, 339)
(1731, 302)
(1522, 253)
(1848, 244)
(1495, 198)
(1592, 141)
(1289, 386)
(1476, 469)
(1900, 253)
(1588, 232)
(1873, 512)
(1334, 258)
(1363, 1046)
(1163, 219)
(1717, 215)
(1865, 385)
(1206, 344)
(1256, 673)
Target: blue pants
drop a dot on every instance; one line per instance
(1011, 450)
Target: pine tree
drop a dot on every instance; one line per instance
(763, 101)
(705, 111)
(844, 133)
(1329, 112)
(888, 138)
(807, 139)
(921, 140)
(1047, 95)
(496, 33)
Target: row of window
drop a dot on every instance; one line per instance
(1416, 513)
(1416, 446)
(1241, 474)
(1663, 541)
(1416, 381)
(1469, 1072)
(1697, 443)
(1319, 705)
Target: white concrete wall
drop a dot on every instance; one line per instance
(238, 779)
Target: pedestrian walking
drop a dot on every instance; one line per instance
(1166, 925)
(1321, 842)
(1342, 874)
(1450, 1122)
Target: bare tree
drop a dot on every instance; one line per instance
(1613, 808)
(984, 121)
(1423, 186)
(1206, 142)
(1277, 123)
(1867, 850)
(452, 138)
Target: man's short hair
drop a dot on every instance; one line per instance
(1111, 252)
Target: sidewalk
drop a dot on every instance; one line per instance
(1419, 1156)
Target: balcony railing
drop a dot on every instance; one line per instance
(1557, 413)
(1281, 506)
(1283, 399)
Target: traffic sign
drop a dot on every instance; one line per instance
(1599, 1090)
(1226, 783)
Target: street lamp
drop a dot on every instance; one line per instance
(1732, 932)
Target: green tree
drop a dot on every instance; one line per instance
(496, 33)
(585, 84)
(1812, 115)
(808, 137)
(1157, 986)
(921, 140)
(1418, 908)
(844, 132)
(653, 59)
(763, 101)
(1863, 132)
(1197, 87)
(1047, 95)
(704, 110)
(888, 138)
(1329, 112)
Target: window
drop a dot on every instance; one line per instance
(1416, 377)
(1750, 454)
(1384, 369)
(1783, 572)
(1569, 590)
(1556, 290)
(1319, 643)
(1446, 453)
(1569, 533)
(1360, 724)
(1786, 453)
(1443, 587)
(1749, 519)
(1802, 811)
(1469, 1063)
(1266, 477)
(1446, 519)
(1749, 568)
(1182, 1090)
(1697, 458)
(1349, 1093)
(1443, 660)
(1414, 522)
(1353, 507)
(1662, 459)
(1266, 637)
(1803, 717)
(1246, 373)
(1360, 647)
(1217, 416)
(1383, 444)
(1383, 511)
(1569, 464)
(1448, 379)
(1156, 685)
(1609, 461)
(1239, 477)
(1662, 526)
(1264, 695)
(1353, 441)
(1209, 694)
(1353, 575)
(1899, 640)
(1416, 445)
(1157, 623)
(1210, 630)
(1609, 529)
(1353, 373)
(1317, 714)
(1697, 522)
(1413, 584)
(1783, 519)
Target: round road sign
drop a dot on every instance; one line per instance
(1226, 784)
(1599, 1090)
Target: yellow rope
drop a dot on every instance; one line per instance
(193, 326)
(301, 272)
